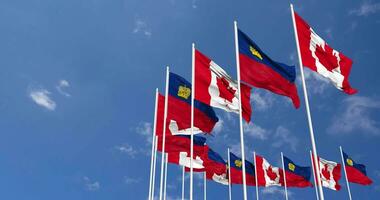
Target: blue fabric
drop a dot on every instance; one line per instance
(176, 82)
(305, 172)
(359, 167)
(288, 72)
(249, 167)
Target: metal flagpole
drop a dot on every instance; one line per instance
(315, 180)
(154, 166)
(229, 174)
(283, 168)
(307, 105)
(204, 186)
(345, 172)
(164, 132)
(153, 146)
(192, 119)
(240, 111)
(183, 182)
(166, 174)
(256, 179)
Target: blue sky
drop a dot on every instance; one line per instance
(78, 78)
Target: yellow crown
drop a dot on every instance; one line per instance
(291, 167)
(238, 163)
(350, 162)
(255, 52)
(184, 92)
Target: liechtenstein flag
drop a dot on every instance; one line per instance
(237, 171)
(259, 70)
(296, 176)
(179, 107)
(356, 173)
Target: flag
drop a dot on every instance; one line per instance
(237, 173)
(178, 149)
(329, 173)
(216, 168)
(259, 70)
(321, 58)
(180, 97)
(178, 121)
(267, 175)
(296, 176)
(174, 114)
(356, 173)
(216, 88)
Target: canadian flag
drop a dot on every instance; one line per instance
(330, 173)
(216, 88)
(321, 58)
(267, 175)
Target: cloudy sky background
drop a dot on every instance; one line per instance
(77, 89)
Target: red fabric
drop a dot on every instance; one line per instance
(356, 176)
(203, 81)
(294, 180)
(325, 56)
(178, 144)
(180, 112)
(266, 78)
(237, 177)
(269, 172)
(246, 101)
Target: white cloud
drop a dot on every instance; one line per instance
(91, 185)
(194, 4)
(218, 127)
(284, 137)
(41, 97)
(256, 131)
(366, 8)
(146, 130)
(262, 100)
(62, 84)
(315, 83)
(275, 191)
(127, 149)
(129, 180)
(356, 115)
(142, 27)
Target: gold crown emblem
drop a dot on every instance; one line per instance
(184, 92)
(291, 167)
(255, 52)
(350, 162)
(238, 163)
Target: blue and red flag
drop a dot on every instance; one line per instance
(259, 70)
(237, 171)
(179, 107)
(216, 168)
(296, 176)
(356, 173)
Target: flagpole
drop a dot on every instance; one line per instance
(204, 186)
(240, 111)
(315, 181)
(229, 175)
(256, 179)
(153, 146)
(345, 172)
(283, 169)
(183, 182)
(154, 166)
(166, 174)
(164, 132)
(307, 106)
(192, 118)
